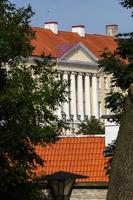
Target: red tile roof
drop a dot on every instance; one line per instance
(81, 155)
(57, 44)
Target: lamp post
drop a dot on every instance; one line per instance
(61, 183)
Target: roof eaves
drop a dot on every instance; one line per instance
(91, 184)
(81, 136)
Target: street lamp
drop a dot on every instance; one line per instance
(61, 183)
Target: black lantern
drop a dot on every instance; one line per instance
(71, 117)
(79, 117)
(61, 184)
(63, 116)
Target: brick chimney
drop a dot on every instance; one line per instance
(53, 26)
(80, 29)
(112, 30)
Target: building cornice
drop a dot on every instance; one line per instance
(77, 63)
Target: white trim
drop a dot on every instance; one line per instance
(80, 136)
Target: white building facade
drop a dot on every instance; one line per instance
(77, 62)
(87, 85)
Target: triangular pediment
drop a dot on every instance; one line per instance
(80, 53)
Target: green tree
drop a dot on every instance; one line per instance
(127, 3)
(120, 65)
(121, 172)
(29, 97)
(92, 126)
(109, 152)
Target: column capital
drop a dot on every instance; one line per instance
(66, 72)
(80, 73)
(73, 73)
(88, 74)
(60, 71)
(95, 75)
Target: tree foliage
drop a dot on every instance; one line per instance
(92, 126)
(15, 33)
(29, 97)
(115, 101)
(109, 152)
(127, 3)
(120, 65)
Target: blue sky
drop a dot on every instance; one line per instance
(94, 14)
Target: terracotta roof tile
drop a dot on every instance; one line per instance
(49, 43)
(82, 155)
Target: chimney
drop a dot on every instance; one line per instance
(112, 30)
(53, 26)
(80, 29)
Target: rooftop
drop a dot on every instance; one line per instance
(48, 42)
(80, 155)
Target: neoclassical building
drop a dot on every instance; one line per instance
(77, 54)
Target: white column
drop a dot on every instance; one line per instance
(80, 96)
(66, 104)
(73, 95)
(95, 96)
(87, 96)
(58, 111)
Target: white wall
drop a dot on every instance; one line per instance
(111, 131)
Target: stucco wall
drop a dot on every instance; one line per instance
(79, 55)
(89, 194)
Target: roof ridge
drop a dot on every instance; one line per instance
(82, 136)
(62, 31)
